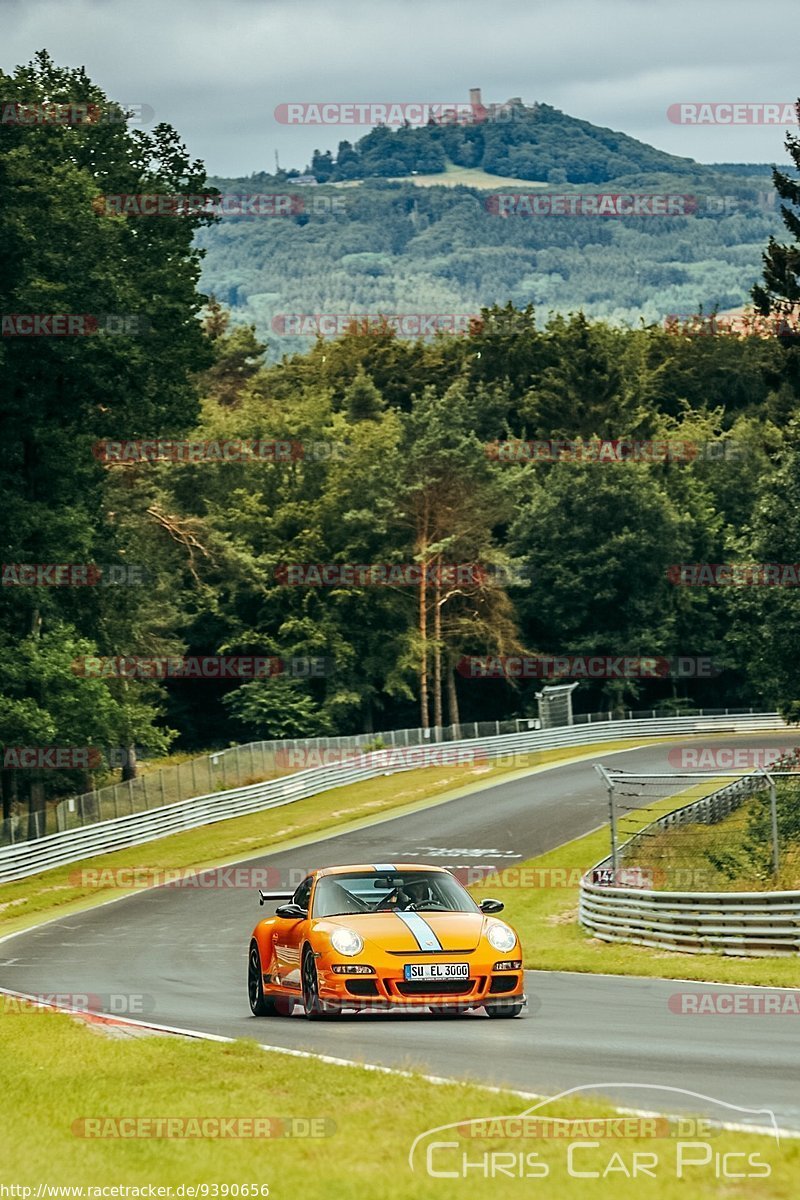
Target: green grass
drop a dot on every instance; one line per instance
(544, 909)
(63, 1071)
(474, 177)
(453, 175)
(56, 892)
(720, 857)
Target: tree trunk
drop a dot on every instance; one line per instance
(452, 701)
(437, 648)
(423, 633)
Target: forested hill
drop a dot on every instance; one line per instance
(533, 143)
(370, 239)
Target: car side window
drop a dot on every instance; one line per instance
(303, 894)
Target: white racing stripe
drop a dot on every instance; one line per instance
(424, 936)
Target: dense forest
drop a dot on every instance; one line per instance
(393, 458)
(394, 248)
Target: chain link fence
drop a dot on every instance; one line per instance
(234, 767)
(254, 762)
(744, 836)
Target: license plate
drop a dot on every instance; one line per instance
(428, 971)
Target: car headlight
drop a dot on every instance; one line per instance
(347, 941)
(501, 937)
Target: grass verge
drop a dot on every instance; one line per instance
(541, 899)
(65, 1072)
(60, 891)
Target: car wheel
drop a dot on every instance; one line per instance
(260, 1005)
(502, 1010)
(314, 1007)
(284, 1006)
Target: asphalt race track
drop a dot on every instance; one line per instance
(184, 950)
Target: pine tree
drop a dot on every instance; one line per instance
(362, 400)
(781, 290)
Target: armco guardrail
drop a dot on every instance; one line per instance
(254, 762)
(58, 849)
(744, 924)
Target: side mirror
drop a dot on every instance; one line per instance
(491, 906)
(293, 911)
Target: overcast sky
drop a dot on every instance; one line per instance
(217, 69)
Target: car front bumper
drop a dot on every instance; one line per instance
(387, 987)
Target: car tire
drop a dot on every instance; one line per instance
(315, 1009)
(284, 1006)
(260, 1005)
(502, 1010)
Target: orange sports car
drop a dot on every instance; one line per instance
(384, 936)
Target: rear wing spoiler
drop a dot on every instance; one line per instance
(263, 897)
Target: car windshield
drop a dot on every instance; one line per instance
(401, 891)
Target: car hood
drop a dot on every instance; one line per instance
(413, 932)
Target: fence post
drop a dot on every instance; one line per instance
(612, 816)
(773, 804)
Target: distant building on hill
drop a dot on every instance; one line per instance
(494, 111)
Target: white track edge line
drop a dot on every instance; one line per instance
(379, 1068)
